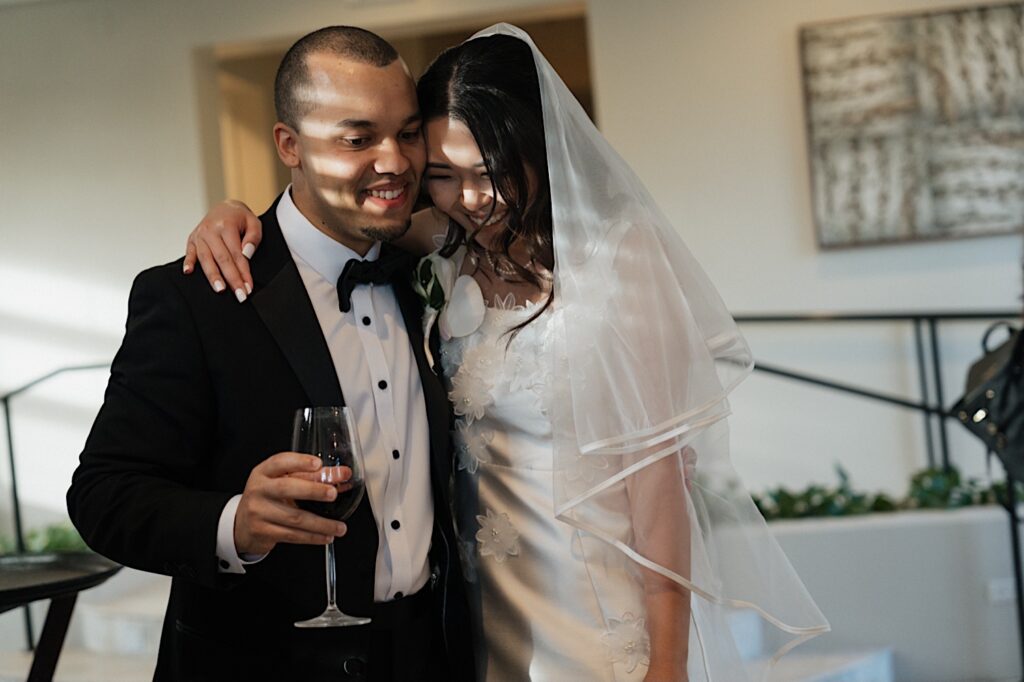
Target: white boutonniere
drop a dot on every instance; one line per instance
(432, 280)
(454, 302)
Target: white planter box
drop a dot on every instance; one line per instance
(932, 585)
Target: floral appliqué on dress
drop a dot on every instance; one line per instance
(497, 536)
(473, 380)
(627, 641)
(471, 446)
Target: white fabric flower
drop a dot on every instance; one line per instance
(471, 445)
(487, 357)
(497, 536)
(627, 641)
(472, 383)
(470, 394)
(464, 309)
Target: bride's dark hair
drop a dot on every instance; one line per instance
(490, 84)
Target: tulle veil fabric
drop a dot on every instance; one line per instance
(648, 354)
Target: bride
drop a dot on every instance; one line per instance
(605, 533)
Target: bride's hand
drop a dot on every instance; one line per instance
(223, 242)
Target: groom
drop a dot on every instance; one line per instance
(187, 472)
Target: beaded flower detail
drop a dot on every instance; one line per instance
(627, 641)
(470, 395)
(471, 446)
(497, 536)
(471, 386)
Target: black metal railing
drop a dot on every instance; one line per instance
(19, 529)
(928, 362)
(932, 404)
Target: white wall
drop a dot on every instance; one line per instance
(107, 160)
(704, 99)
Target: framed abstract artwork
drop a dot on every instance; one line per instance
(916, 125)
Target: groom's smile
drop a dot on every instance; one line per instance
(358, 153)
(389, 196)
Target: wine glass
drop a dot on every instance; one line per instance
(330, 434)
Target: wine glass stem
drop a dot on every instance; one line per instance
(332, 583)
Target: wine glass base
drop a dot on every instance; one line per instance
(332, 618)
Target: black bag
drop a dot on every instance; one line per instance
(992, 407)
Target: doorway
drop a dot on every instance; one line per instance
(245, 95)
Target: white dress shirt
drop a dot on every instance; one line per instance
(380, 381)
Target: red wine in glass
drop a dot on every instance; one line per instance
(330, 434)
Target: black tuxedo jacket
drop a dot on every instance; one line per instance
(201, 391)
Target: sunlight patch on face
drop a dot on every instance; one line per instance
(325, 165)
(325, 109)
(310, 94)
(453, 141)
(333, 197)
(318, 129)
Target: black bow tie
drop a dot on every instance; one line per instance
(392, 263)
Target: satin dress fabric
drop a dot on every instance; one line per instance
(551, 602)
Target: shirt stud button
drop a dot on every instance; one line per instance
(395, 454)
(366, 321)
(395, 524)
(382, 384)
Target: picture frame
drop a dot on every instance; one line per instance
(915, 125)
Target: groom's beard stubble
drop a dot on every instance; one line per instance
(386, 234)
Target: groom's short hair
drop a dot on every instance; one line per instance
(349, 42)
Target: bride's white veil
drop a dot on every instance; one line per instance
(648, 354)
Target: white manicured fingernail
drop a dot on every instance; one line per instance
(218, 286)
(186, 268)
(248, 288)
(248, 250)
(240, 295)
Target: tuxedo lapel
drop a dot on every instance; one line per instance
(434, 394)
(281, 301)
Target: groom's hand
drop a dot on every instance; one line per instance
(267, 513)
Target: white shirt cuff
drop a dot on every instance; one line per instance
(228, 560)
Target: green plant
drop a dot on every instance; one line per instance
(57, 537)
(929, 489)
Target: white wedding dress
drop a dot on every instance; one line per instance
(646, 356)
(535, 580)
